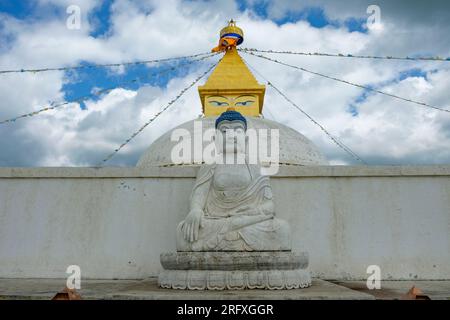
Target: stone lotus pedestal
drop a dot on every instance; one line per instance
(234, 270)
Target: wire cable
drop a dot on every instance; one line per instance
(422, 104)
(156, 115)
(103, 91)
(335, 140)
(340, 55)
(102, 65)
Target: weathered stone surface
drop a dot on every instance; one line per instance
(270, 260)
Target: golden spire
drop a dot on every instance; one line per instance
(231, 84)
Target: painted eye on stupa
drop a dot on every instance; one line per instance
(244, 103)
(218, 103)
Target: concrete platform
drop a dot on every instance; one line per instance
(148, 290)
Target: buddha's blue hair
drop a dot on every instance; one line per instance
(231, 115)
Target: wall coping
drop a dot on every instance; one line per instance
(191, 171)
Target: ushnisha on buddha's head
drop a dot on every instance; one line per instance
(231, 127)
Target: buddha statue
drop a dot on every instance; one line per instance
(231, 238)
(231, 205)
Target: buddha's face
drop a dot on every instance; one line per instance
(245, 103)
(230, 137)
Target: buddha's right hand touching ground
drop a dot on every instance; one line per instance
(191, 225)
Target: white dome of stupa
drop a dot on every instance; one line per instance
(295, 148)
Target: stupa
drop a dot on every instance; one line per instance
(231, 84)
(231, 237)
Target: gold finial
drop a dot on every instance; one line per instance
(230, 37)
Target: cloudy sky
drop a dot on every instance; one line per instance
(380, 129)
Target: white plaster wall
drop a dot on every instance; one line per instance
(114, 222)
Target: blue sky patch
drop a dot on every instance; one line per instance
(258, 7)
(353, 107)
(361, 98)
(100, 19)
(17, 9)
(356, 25)
(315, 16)
(86, 81)
(412, 73)
(353, 110)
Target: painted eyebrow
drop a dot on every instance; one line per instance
(245, 95)
(211, 97)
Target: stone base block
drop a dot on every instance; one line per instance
(253, 260)
(234, 270)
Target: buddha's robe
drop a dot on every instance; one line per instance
(236, 219)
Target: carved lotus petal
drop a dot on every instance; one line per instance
(236, 280)
(196, 280)
(216, 280)
(275, 279)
